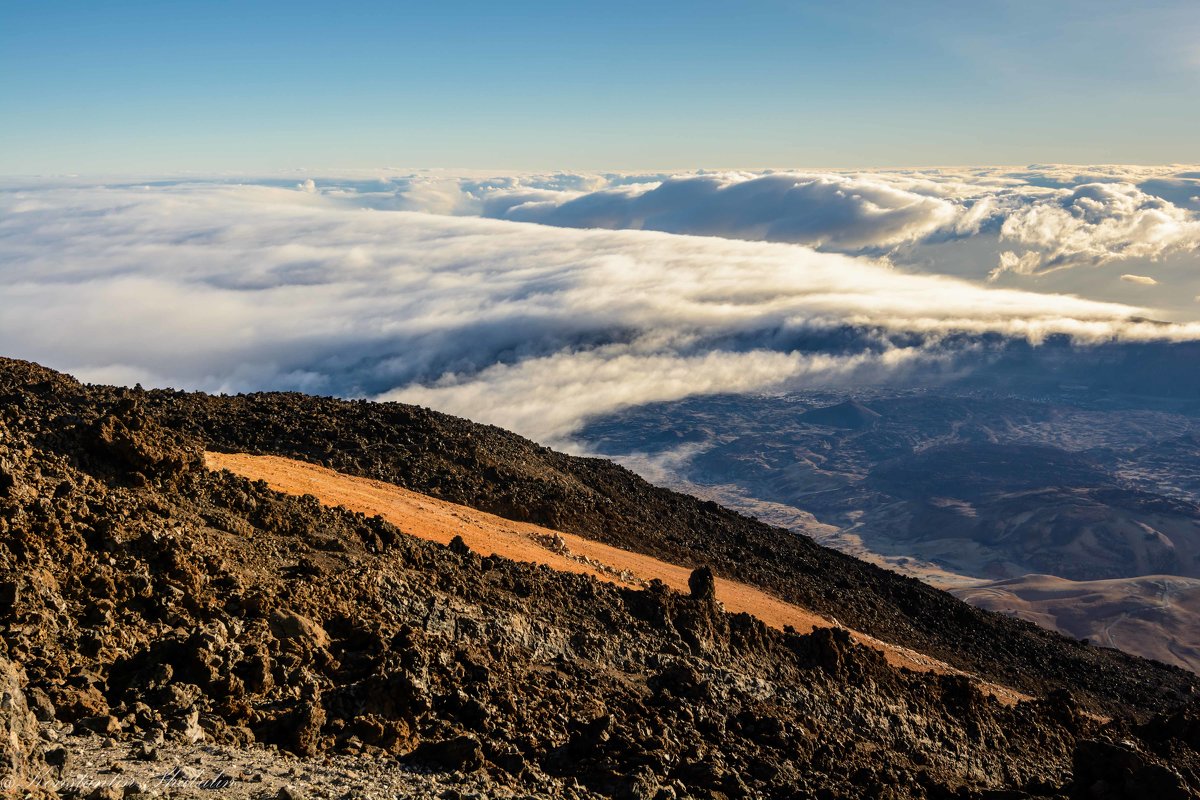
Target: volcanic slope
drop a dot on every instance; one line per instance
(499, 472)
(442, 522)
(146, 595)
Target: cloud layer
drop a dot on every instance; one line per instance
(230, 287)
(1096, 223)
(1012, 226)
(835, 212)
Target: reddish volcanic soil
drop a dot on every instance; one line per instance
(437, 520)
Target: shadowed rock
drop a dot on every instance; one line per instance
(703, 584)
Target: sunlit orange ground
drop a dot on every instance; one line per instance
(439, 521)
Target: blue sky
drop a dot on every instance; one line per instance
(137, 87)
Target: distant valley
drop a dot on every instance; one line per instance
(1067, 509)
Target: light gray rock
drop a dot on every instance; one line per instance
(20, 743)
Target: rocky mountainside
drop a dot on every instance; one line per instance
(154, 603)
(502, 473)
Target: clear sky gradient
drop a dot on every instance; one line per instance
(137, 87)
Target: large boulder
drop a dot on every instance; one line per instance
(20, 744)
(462, 753)
(128, 441)
(703, 584)
(288, 626)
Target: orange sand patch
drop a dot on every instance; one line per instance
(439, 521)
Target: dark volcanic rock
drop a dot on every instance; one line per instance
(1117, 771)
(703, 584)
(462, 753)
(499, 472)
(198, 606)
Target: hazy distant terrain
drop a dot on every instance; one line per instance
(967, 489)
(1154, 616)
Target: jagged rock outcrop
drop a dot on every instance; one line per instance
(702, 584)
(20, 744)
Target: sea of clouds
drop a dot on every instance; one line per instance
(536, 301)
(1020, 222)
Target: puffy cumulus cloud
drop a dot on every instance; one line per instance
(1093, 224)
(229, 287)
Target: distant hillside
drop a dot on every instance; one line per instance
(1153, 614)
(956, 487)
(850, 414)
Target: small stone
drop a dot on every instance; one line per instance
(188, 774)
(105, 725)
(188, 728)
(56, 756)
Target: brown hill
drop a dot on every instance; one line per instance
(1154, 614)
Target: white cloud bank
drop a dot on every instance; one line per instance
(244, 287)
(837, 212)
(1093, 224)
(1023, 225)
